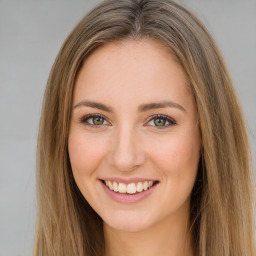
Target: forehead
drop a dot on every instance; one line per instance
(132, 70)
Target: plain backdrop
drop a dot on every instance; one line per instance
(31, 33)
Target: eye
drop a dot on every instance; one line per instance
(94, 120)
(161, 121)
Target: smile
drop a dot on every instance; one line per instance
(129, 191)
(130, 188)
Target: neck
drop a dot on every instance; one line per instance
(170, 237)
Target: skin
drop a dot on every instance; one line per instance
(127, 144)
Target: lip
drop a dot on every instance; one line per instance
(128, 198)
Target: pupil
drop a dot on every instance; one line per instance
(159, 122)
(98, 120)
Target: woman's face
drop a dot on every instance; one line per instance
(134, 142)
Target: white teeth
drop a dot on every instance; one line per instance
(110, 185)
(139, 186)
(115, 186)
(145, 185)
(130, 188)
(122, 188)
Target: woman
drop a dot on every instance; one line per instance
(142, 145)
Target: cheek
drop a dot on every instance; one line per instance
(177, 163)
(85, 153)
(178, 154)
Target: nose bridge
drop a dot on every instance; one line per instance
(126, 151)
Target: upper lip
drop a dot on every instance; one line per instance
(127, 181)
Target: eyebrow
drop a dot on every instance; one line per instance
(162, 104)
(93, 104)
(141, 108)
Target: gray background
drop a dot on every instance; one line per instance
(31, 33)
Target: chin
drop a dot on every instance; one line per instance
(127, 226)
(127, 222)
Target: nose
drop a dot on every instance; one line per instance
(126, 152)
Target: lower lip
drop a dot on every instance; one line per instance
(129, 198)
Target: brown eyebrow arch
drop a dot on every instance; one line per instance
(141, 108)
(92, 104)
(162, 104)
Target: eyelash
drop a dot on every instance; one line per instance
(171, 121)
(86, 118)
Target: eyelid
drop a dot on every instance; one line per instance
(170, 120)
(87, 117)
(161, 116)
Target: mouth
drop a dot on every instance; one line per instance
(130, 188)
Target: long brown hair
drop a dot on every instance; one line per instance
(222, 201)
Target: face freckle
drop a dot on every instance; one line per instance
(120, 91)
